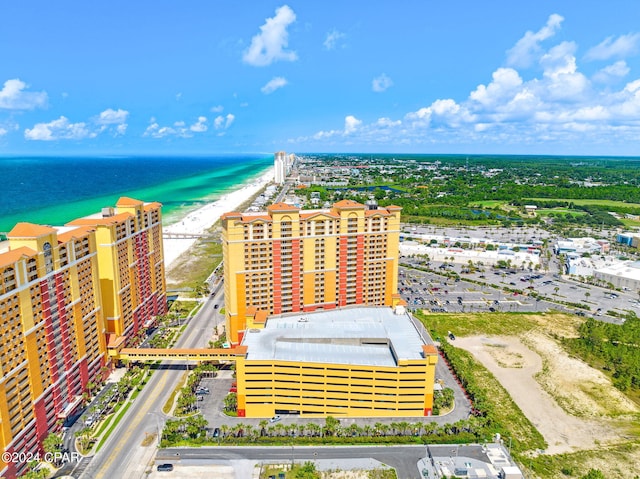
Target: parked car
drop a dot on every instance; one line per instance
(275, 419)
(216, 432)
(165, 467)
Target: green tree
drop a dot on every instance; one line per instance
(231, 402)
(52, 443)
(331, 426)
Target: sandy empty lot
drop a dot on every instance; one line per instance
(572, 405)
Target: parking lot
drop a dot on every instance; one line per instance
(486, 289)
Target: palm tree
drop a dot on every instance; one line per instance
(313, 429)
(263, 426)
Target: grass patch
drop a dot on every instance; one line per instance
(121, 413)
(622, 461)
(169, 404)
(469, 324)
(561, 211)
(193, 267)
(487, 204)
(589, 202)
(630, 223)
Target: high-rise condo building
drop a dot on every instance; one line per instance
(288, 260)
(131, 262)
(53, 333)
(69, 296)
(280, 166)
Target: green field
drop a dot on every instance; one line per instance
(588, 202)
(562, 211)
(487, 203)
(630, 223)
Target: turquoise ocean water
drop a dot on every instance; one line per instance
(56, 190)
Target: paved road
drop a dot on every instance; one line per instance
(123, 454)
(403, 458)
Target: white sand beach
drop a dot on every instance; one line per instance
(200, 220)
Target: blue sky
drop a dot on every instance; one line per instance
(219, 76)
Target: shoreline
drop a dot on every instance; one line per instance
(197, 222)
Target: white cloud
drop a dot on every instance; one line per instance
(217, 109)
(178, 129)
(351, 124)
(59, 129)
(622, 46)
(387, 123)
(524, 51)
(381, 83)
(222, 123)
(111, 117)
(506, 83)
(332, 39)
(200, 126)
(269, 45)
(273, 84)
(3, 131)
(14, 97)
(155, 131)
(612, 72)
(558, 107)
(114, 120)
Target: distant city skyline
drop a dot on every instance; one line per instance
(546, 77)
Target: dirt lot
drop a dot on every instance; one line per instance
(572, 405)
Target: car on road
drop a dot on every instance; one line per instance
(165, 467)
(275, 419)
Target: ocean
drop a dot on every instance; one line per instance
(56, 190)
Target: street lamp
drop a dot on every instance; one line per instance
(158, 417)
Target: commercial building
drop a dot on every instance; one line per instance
(488, 461)
(623, 275)
(67, 294)
(581, 245)
(352, 361)
(287, 260)
(629, 239)
(131, 262)
(53, 333)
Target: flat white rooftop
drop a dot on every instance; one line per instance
(372, 336)
(626, 269)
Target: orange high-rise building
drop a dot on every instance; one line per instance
(131, 262)
(287, 260)
(53, 334)
(69, 296)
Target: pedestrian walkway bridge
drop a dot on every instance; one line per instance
(176, 354)
(179, 235)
